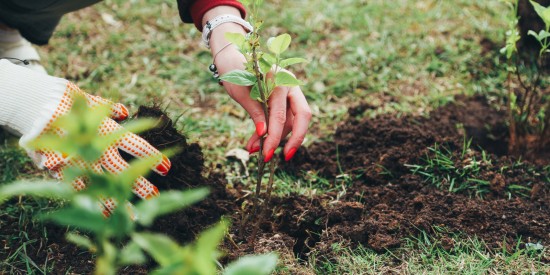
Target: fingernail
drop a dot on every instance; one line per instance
(166, 162)
(254, 150)
(162, 169)
(269, 155)
(260, 128)
(153, 194)
(290, 154)
(124, 112)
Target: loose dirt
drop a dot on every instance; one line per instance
(384, 201)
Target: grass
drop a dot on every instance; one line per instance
(431, 255)
(399, 56)
(462, 170)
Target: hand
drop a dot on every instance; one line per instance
(111, 159)
(30, 103)
(288, 107)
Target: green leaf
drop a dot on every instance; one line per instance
(238, 39)
(239, 77)
(543, 12)
(255, 93)
(291, 61)
(179, 268)
(206, 248)
(167, 202)
(164, 250)
(81, 240)
(105, 263)
(253, 265)
(540, 36)
(87, 219)
(269, 58)
(47, 189)
(265, 65)
(131, 254)
(279, 44)
(283, 78)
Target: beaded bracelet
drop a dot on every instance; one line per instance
(218, 20)
(213, 67)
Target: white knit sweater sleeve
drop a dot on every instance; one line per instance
(27, 100)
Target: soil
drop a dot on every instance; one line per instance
(384, 201)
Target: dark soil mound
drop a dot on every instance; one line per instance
(383, 202)
(186, 172)
(387, 202)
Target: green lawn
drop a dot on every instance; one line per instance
(401, 56)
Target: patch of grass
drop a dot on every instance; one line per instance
(463, 171)
(19, 231)
(456, 173)
(441, 254)
(13, 162)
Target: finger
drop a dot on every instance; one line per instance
(118, 111)
(145, 189)
(302, 117)
(107, 206)
(53, 160)
(137, 147)
(277, 119)
(253, 144)
(254, 109)
(56, 162)
(114, 163)
(288, 124)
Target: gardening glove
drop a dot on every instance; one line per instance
(31, 101)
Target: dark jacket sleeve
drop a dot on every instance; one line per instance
(192, 11)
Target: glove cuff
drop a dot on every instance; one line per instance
(28, 100)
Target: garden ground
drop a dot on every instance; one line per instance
(408, 85)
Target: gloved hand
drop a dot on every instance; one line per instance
(32, 101)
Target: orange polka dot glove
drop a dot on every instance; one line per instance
(30, 102)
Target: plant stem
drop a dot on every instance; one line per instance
(263, 213)
(261, 164)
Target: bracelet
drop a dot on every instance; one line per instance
(218, 20)
(213, 67)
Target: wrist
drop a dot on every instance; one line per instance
(219, 10)
(217, 40)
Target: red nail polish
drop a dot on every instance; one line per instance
(254, 150)
(124, 112)
(166, 162)
(290, 154)
(260, 128)
(162, 169)
(153, 194)
(269, 155)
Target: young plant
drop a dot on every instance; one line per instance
(116, 240)
(265, 70)
(529, 105)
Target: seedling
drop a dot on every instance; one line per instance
(528, 106)
(265, 70)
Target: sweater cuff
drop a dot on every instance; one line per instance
(28, 100)
(200, 7)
